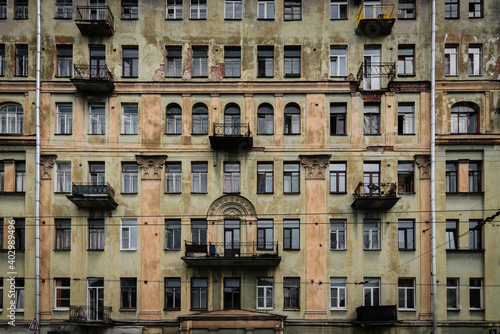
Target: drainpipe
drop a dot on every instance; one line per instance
(37, 165)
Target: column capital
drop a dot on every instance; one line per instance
(151, 166)
(315, 165)
(46, 164)
(424, 163)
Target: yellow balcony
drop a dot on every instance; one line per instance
(376, 20)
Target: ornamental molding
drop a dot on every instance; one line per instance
(424, 164)
(232, 206)
(46, 165)
(151, 166)
(315, 166)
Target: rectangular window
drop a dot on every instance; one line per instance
(476, 293)
(475, 8)
(96, 234)
(451, 177)
(199, 231)
(338, 61)
(21, 60)
(20, 233)
(233, 10)
(452, 294)
(198, 10)
(406, 234)
(338, 10)
(292, 61)
(406, 118)
(265, 292)
(128, 240)
(371, 117)
(2, 58)
(232, 293)
(130, 61)
(265, 181)
(293, 10)
(3, 9)
(172, 293)
(292, 119)
(232, 177)
(174, 10)
(199, 177)
(128, 293)
(19, 294)
(130, 119)
(200, 61)
(61, 293)
(338, 119)
(291, 293)
(21, 9)
(97, 172)
(475, 179)
(451, 234)
(291, 234)
(265, 10)
(475, 229)
(265, 59)
(371, 291)
(173, 178)
(475, 60)
(406, 60)
(130, 10)
(371, 234)
(406, 177)
(2, 182)
(406, 294)
(174, 62)
(64, 118)
(371, 179)
(338, 177)
(64, 60)
(20, 176)
(172, 234)
(265, 238)
(63, 177)
(64, 9)
(63, 234)
(450, 60)
(232, 62)
(130, 175)
(406, 9)
(451, 9)
(199, 294)
(338, 234)
(1, 245)
(338, 293)
(97, 119)
(291, 178)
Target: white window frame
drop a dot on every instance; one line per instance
(338, 169)
(174, 119)
(291, 178)
(20, 296)
(292, 61)
(11, 118)
(265, 171)
(338, 286)
(371, 284)
(230, 10)
(475, 60)
(232, 177)
(477, 9)
(200, 62)
(451, 60)
(64, 61)
(199, 179)
(338, 61)
(175, 7)
(292, 115)
(63, 177)
(268, 7)
(232, 62)
(481, 293)
(62, 288)
(340, 233)
(130, 178)
(266, 291)
(406, 60)
(20, 176)
(130, 119)
(196, 8)
(97, 116)
(63, 9)
(371, 114)
(407, 112)
(173, 234)
(174, 178)
(128, 234)
(174, 62)
(456, 289)
(405, 291)
(373, 233)
(64, 119)
(336, 7)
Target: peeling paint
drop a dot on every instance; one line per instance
(217, 72)
(159, 73)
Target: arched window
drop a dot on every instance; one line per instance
(464, 117)
(174, 119)
(292, 119)
(11, 118)
(200, 119)
(232, 120)
(265, 119)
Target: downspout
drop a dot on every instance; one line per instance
(37, 165)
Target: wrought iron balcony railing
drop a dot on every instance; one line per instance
(89, 189)
(241, 249)
(376, 190)
(95, 13)
(84, 313)
(92, 72)
(231, 130)
(377, 70)
(377, 314)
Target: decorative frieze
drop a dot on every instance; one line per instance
(46, 165)
(315, 166)
(151, 166)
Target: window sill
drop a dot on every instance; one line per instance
(127, 193)
(264, 308)
(372, 250)
(291, 249)
(20, 76)
(291, 309)
(451, 75)
(406, 134)
(406, 249)
(338, 193)
(291, 193)
(199, 309)
(200, 76)
(63, 18)
(412, 193)
(476, 310)
(292, 75)
(269, 193)
(61, 309)
(199, 193)
(292, 134)
(465, 193)
(231, 77)
(372, 134)
(231, 193)
(463, 250)
(63, 76)
(232, 19)
(453, 309)
(338, 250)
(62, 192)
(127, 310)
(129, 77)
(340, 19)
(407, 75)
(339, 134)
(192, 19)
(406, 310)
(172, 250)
(62, 250)
(475, 75)
(173, 77)
(452, 18)
(171, 309)
(173, 134)
(13, 193)
(95, 250)
(62, 134)
(265, 19)
(176, 193)
(128, 19)
(199, 134)
(339, 309)
(128, 250)
(265, 77)
(407, 18)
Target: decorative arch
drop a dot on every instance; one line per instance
(232, 206)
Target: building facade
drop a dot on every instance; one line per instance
(250, 166)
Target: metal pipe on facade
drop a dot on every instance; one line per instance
(37, 164)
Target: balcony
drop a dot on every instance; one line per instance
(371, 73)
(237, 254)
(95, 20)
(83, 313)
(231, 137)
(93, 196)
(375, 196)
(93, 78)
(386, 314)
(376, 20)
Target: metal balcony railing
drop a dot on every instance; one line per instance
(241, 249)
(228, 130)
(89, 189)
(92, 72)
(375, 190)
(376, 12)
(377, 314)
(95, 13)
(84, 313)
(377, 70)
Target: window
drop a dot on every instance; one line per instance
(21, 60)
(3, 9)
(2, 185)
(464, 118)
(338, 10)
(406, 234)
(372, 119)
(406, 119)
(130, 61)
(174, 119)
(338, 60)
(64, 118)
(231, 177)
(291, 180)
(406, 294)
(128, 239)
(265, 10)
(451, 9)
(200, 119)
(11, 118)
(200, 61)
(475, 231)
(406, 9)
(97, 119)
(1, 292)
(451, 234)
(63, 234)
(371, 178)
(338, 177)
(475, 8)
(20, 176)
(96, 234)
(233, 10)
(371, 234)
(172, 234)
(338, 293)
(130, 174)
(406, 60)
(64, 9)
(450, 60)
(232, 62)
(96, 172)
(292, 119)
(199, 293)
(475, 293)
(291, 234)
(265, 182)
(452, 295)
(337, 234)
(265, 60)
(265, 239)
(199, 231)
(64, 60)
(291, 293)
(199, 177)
(265, 291)
(130, 10)
(198, 10)
(173, 178)
(130, 119)
(338, 119)
(2, 56)
(61, 293)
(20, 233)
(174, 9)
(21, 9)
(128, 293)
(451, 177)
(63, 177)
(172, 293)
(371, 291)
(475, 60)
(293, 10)
(19, 283)
(292, 61)
(174, 61)
(232, 293)
(405, 177)
(474, 177)
(265, 119)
